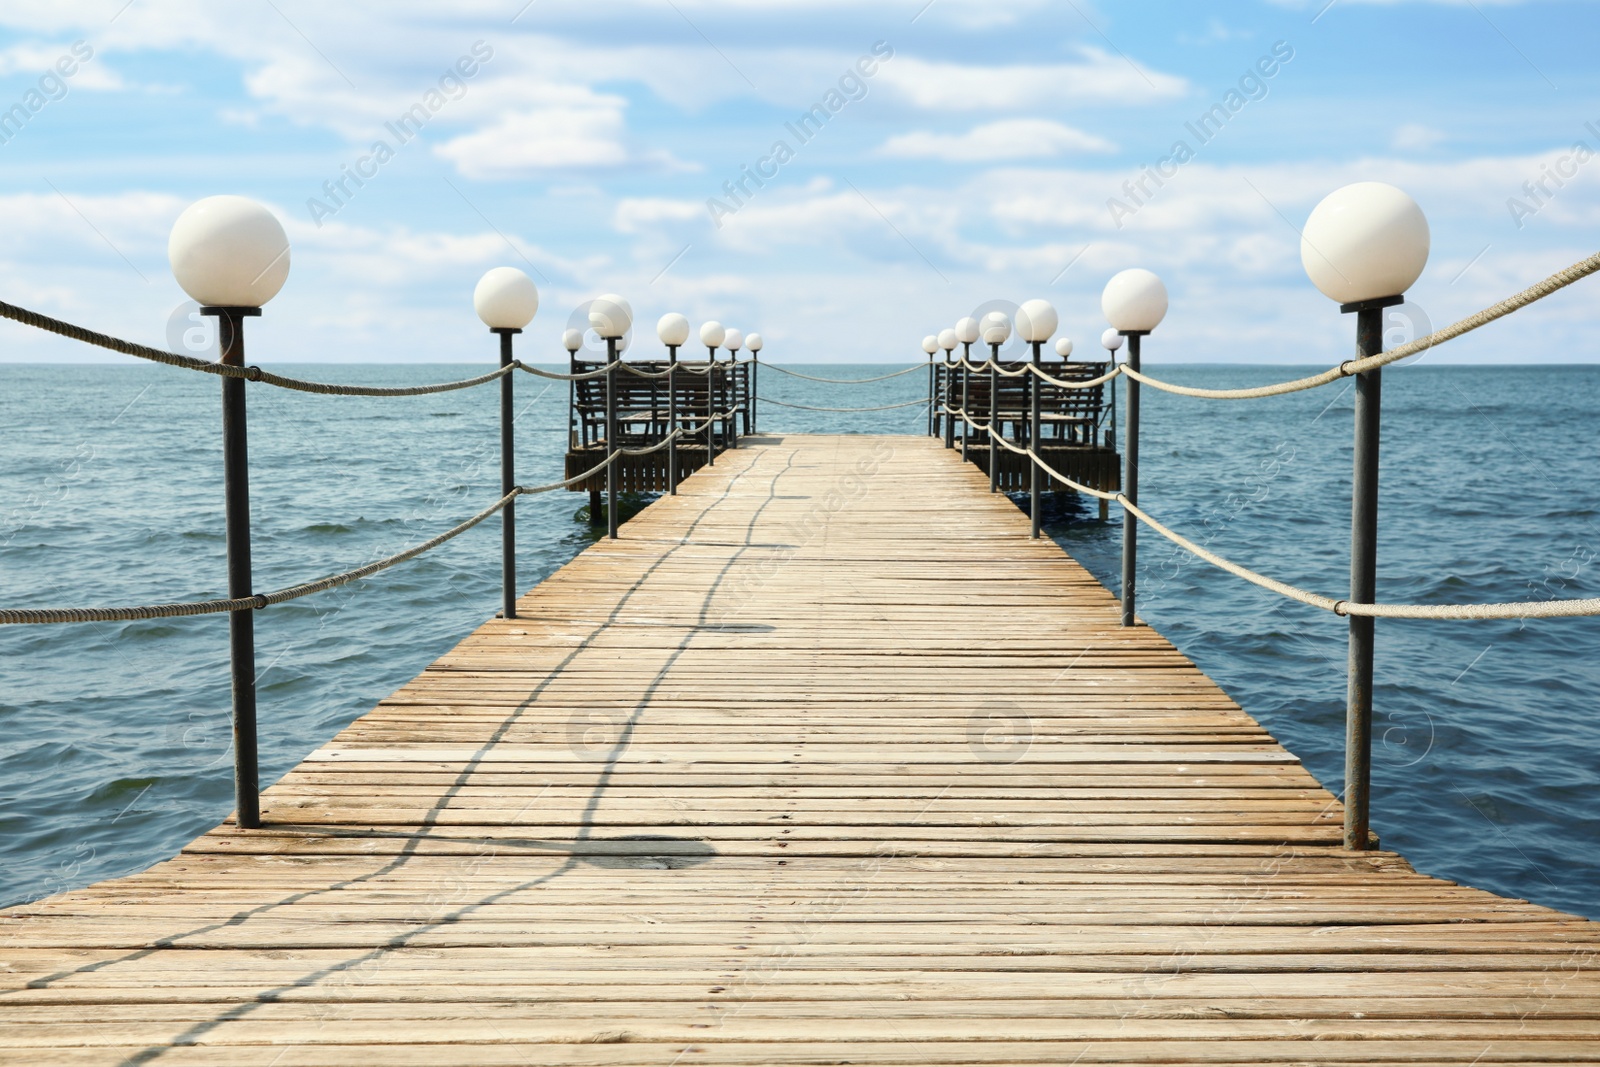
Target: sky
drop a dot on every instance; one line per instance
(963, 154)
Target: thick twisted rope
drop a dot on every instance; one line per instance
(1534, 293)
(844, 381)
(985, 367)
(1038, 371)
(206, 366)
(14, 616)
(808, 407)
(1539, 609)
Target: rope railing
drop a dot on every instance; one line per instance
(248, 373)
(809, 407)
(1534, 293)
(843, 381)
(16, 616)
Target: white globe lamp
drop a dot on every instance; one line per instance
(506, 299)
(610, 316)
(930, 343)
(672, 329)
(1367, 241)
(1036, 322)
(229, 251)
(948, 341)
(572, 340)
(754, 342)
(733, 339)
(1111, 340)
(712, 335)
(967, 331)
(1064, 347)
(1134, 301)
(996, 329)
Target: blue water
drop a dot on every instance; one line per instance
(114, 744)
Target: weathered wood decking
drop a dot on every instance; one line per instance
(737, 790)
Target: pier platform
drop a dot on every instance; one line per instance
(823, 761)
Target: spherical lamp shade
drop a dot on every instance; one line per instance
(1364, 242)
(1064, 347)
(733, 340)
(610, 316)
(673, 329)
(996, 328)
(572, 340)
(1036, 321)
(506, 299)
(754, 342)
(1134, 301)
(967, 330)
(1111, 340)
(930, 344)
(948, 340)
(712, 334)
(229, 251)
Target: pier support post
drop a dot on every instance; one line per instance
(944, 376)
(1036, 511)
(611, 437)
(994, 418)
(672, 419)
(236, 521)
(1363, 574)
(711, 407)
(1130, 488)
(508, 479)
(966, 392)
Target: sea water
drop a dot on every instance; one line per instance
(114, 737)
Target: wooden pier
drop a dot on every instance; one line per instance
(823, 761)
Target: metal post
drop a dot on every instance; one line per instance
(236, 521)
(508, 480)
(933, 400)
(1130, 488)
(966, 427)
(730, 391)
(949, 418)
(1363, 575)
(672, 419)
(994, 417)
(611, 437)
(1034, 384)
(711, 407)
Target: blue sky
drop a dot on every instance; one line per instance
(975, 164)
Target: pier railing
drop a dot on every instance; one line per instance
(1361, 607)
(243, 600)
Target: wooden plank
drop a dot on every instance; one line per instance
(824, 760)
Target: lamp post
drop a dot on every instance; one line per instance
(753, 343)
(1134, 302)
(712, 334)
(996, 330)
(231, 256)
(947, 344)
(732, 341)
(673, 330)
(611, 317)
(1111, 340)
(1036, 322)
(507, 300)
(938, 392)
(1363, 247)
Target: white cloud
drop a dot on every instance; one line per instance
(1415, 137)
(1007, 139)
(572, 133)
(1100, 78)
